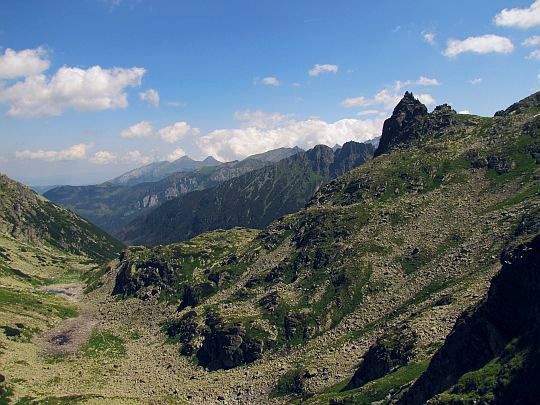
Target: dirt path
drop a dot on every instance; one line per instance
(69, 335)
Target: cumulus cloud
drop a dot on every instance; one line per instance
(140, 130)
(176, 154)
(534, 54)
(520, 17)
(427, 99)
(261, 119)
(89, 89)
(389, 97)
(135, 156)
(75, 152)
(28, 62)
(476, 81)
(481, 45)
(369, 112)
(173, 133)
(532, 41)
(429, 37)
(425, 81)
(230, 144)
(270, 81)
(103, 157)
(151, 96)
(320, 69)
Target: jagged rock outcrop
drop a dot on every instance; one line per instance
(227, 346)
(511, 311)
(410, 121)
(143, 279)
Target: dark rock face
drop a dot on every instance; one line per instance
(193, 295)
(511, 310)
(382, 358)
(143, 280)
(411, 120)
(228, 346)
(408, 117)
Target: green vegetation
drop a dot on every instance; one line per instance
(41, 303)
(103, 344)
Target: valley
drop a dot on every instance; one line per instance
(366, 289)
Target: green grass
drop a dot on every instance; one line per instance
(103, 344)
(373, 391)
(37, 302)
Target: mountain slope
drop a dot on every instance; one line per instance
(30, 218)
(493, 351)
(344, 301)
(252, 200)
(376, 269)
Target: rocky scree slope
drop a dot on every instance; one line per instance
(375, 270)
(493, 352)
(30, 218)
(252, 200)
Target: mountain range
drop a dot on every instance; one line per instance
(409, 277)
(252, 200)
(115, 203)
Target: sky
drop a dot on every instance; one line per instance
(92, 88)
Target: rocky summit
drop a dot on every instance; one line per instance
(329, 277)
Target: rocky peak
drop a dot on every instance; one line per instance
(411, 120)
(403, 125)
(444, 109)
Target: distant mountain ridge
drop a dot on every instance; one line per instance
(159, 170)
(111, 206)
(251, 200)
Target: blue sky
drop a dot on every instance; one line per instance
(92, 88)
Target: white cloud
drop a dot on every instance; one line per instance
(482, 45)
(270, 81)
(429, 37)
(532, 41)
(356, 102)
(28, 62)
(464, 112)
(369, 112)
(326, 68)
(427, 99)
(476, 81)
(389, 97)
(176, 154)
(140, 130)
(75, 152)
(520, 17)
(426, 81)
(261, 119)
(136, 156)
(173, 133)
(534, 54)
(103, 157)
(176, 104)
(89, 89)
(230, 144)
(151, 96)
